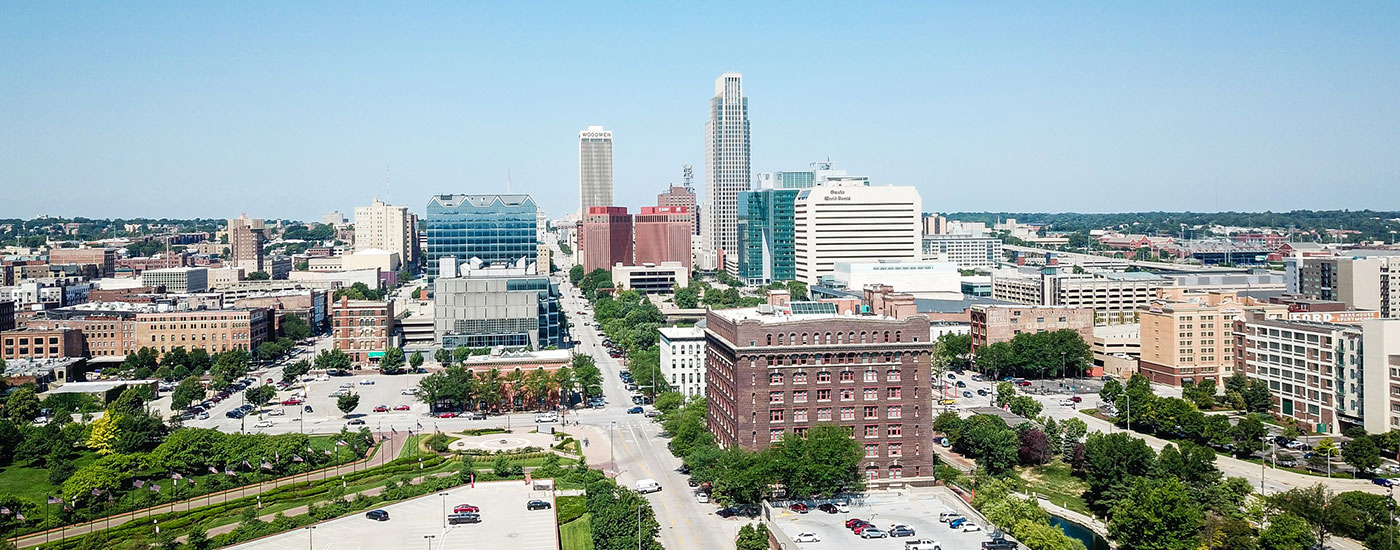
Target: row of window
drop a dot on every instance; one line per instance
(852, 337)
(892, 375)
(846, 394)
(823, 414)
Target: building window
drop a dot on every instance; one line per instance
(848, 376)
(871, 394)
(871, 411)
(848, 394)
(824, 414)
(872, 430)
(775, 378)
(892, 375)
(775, 415)
(848, 413)
(824, 395)
(893, 393)
(870, 376)
(823, 377)
(893, 411)
(894, 430)
(799, 396)
(775, 397)
(896, 449)
(799, 378)
(872, 451)
(775, 434)
(799, 415)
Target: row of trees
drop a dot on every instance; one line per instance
(1034, 354)
(456, 387)
(998, 447)
(632, 322)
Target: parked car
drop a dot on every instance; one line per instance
(873, 533)
(203, 416)
(276, 412)
(461, 508)
(446, 415)
(970, 527)
(378, 515)
(1383, 482)
(945, 517)
(962, 384)
(862, 527)
(307, 409)
(381, 409)
(634, 410)
(366, 382)
(956, 523)
(828, 508)
(998, 544)
(263, 424)
(806, 536)
(702, 498)
(901, 531)
(455, 519)
(408, 391)
(356, 422)
(537, 505)
(922, 544)
(799, 507)
(402, 407)
(967, 394)
(1024, 383)
(1076, 399)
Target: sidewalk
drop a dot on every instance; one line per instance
(389, 446)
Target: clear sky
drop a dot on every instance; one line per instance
(291, 109)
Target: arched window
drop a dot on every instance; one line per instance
(897, 336)
(827, 340)
(887, 336)
(770, 339)
(780, 339)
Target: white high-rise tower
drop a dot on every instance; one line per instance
(595, 168)
(726, 169)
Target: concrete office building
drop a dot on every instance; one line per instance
(651, 278)
(727, 170)
(607, 237)
(1116, 350)
(920, 279)
(992, 324)
(849, 221)
(683, 359)
(362, 329)
(1115, 297)
(965, 250)
(595, 168)
(770, 374)
(497, 307)
(178, 280)
(496, 229)
(246, 237)
(1362, 282)
(662, 234)
(386, 227)
(1189, 336)
(104, 258)
(1380, 365)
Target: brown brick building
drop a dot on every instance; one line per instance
(362, 328)
(214, 331)
(992, 324)
(606, 238)
(662, 234)
(769, 374)
(104, 258)
(41, 344)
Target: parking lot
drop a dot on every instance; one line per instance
(505, 523)
(324, 416)
(918, 509)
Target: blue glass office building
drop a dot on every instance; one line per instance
(766, 226)
(497, 229)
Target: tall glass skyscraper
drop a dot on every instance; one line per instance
(766, 251)
(496, 229)
(726, 169)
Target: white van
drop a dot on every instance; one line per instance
(550, 416)
(645, 486)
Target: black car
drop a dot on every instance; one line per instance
(999, 544)
(234, 414)
(684, 470)
(828, 508)
(901, 531)
(306, 408)
(356, 422)
(455, 519)
(377, 515)
(727, 512)
(537, 505)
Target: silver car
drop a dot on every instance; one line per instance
(873, 534)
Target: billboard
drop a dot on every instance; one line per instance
(1343, 317)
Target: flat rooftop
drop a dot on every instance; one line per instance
(99, 386)
(779, 315)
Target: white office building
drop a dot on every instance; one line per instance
(683, 359)
(726, 169)
(381, 227)
(595, 168)
(848, 220)
(931, 280)
(965, 250)
(178, 280)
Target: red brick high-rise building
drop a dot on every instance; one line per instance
(773, 373)
(663, 235)
(681, 196)
(607, 238)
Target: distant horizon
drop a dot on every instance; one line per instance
(281, 111)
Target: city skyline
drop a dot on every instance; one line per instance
(282, 113)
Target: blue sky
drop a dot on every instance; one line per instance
(294, 109)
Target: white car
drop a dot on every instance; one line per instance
(702, 498)
(276, 412)
(970, 527)
(806, 537)
(366, 382)
(408, 391)
(263, 424)
(1066, 403)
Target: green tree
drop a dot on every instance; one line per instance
(1310, 504)
(295, 370)
(259, 276)
(1249, 435)
(988, 439)
(22, 405)
(575, 274)
(752, 537)
(797, 290)
(295, 328)
(347, 402)
(1362, 454)
(1191, 464)
(103, 434)
(1111, 464)
(1286, 532)
(1156, 515)
(332, 359)
(186, 392)
(416, 360)
(259, 395)
(1257, 396)
(392, 362)
(443, 356)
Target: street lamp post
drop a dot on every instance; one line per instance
(444, 509)
(429, 538)
(611, 425)
(310, 537)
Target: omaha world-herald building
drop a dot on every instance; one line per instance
(778, 370)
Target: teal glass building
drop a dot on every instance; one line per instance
(766, 251)
(497, 229)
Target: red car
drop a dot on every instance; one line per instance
(799, 507)
(446, 415)
(851, 523)
(862, 527)
(381, 409)
(1076, 399)
(401, 408)
(291, 402)
(1024, 383)
(465, 508)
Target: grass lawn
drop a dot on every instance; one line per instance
(1056, 482)
(576, 535)
(410, 447)
(33, 483)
